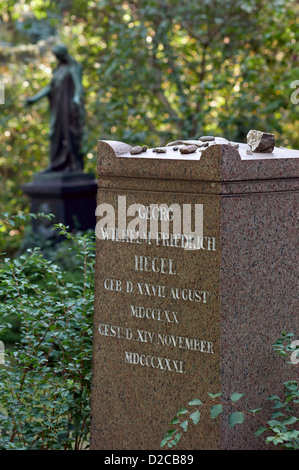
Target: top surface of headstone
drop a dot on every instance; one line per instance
(217, 160)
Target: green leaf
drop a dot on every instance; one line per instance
(184, 425)
(235, 418)
(291, 385)
(176, 439)
(182, 411)
(274, 423)
(164, 441)
(260, 431)
(236, 396)
(175, 420)
(195, 417)
(62, 435)
(215, 411)
(255, 411)
(273, 397)
(170, 433)
(278, 405)
(290, 420)
(195, 402)
(277, 414)
(214, 395)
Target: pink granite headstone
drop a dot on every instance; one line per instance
(177, 317)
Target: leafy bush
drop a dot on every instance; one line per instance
(45, 382)
(281, 425)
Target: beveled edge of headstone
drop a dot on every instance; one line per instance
(115, 160)
(221, 161)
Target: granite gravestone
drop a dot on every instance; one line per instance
(63, 188)
(195, 280)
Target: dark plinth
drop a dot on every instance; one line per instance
(71, 197)
(251, 279)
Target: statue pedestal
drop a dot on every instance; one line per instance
(70, 196)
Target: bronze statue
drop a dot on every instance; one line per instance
(65, 93)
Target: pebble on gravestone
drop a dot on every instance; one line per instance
(203, 144)
(188, 149)
(144, 148)
(206, 138)
(185, 142)
(160, 150)
(176, 142)
(136, 150)
(261, 142)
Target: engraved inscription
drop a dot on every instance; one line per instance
(157, 290)
(173, 296)
(160, 339)
(155, 362)
(154, 314)
(155, 265)
(158, 238)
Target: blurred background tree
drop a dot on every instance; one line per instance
(154, 71)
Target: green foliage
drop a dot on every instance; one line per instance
(287, 348)
(45, 382)
(281, 429)
(12, 225)
(153, 71)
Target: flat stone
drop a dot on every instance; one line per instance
(185, 142)
(188, 149)
(206, 138)
(160, 150)
(136, 150)
(261, 142)
(176, 142)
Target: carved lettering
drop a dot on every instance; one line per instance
(157, 268)
(193, 295)
(154, 314)
(155, 265)
(155, 362)
(159, 339)
(151, 290)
